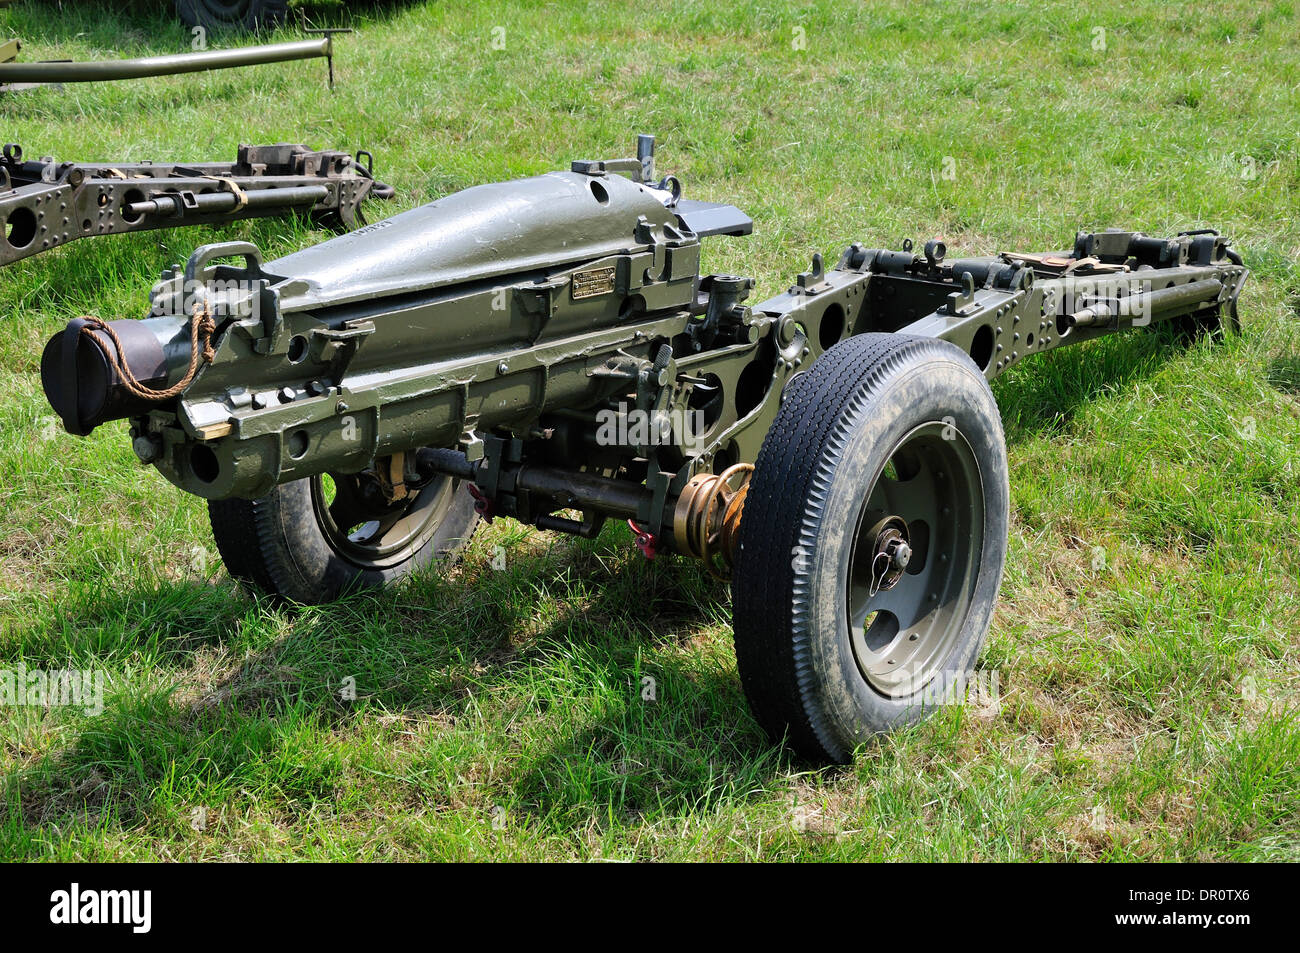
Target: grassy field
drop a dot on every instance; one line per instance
(1149, 626)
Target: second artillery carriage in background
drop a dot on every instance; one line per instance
(352, 410)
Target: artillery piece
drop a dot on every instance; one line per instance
(546, 349)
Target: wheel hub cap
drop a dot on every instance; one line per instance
(891, 552)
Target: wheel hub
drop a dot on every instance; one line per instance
(914, 559)
(364, 523)
(891, 552)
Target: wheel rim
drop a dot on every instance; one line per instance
(375, 535)
(904, 629)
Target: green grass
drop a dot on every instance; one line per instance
(1146, 639)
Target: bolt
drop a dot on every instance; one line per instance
(148, 449)
(341, 407)
(901, 556)
(787, 331)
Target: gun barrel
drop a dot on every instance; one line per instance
(163, 65)
(1154, 304)
(176, 204)
(84, 387)
(483, 309)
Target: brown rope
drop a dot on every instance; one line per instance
(202, 327)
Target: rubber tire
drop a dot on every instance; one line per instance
(249, 15)
(837, 425)
(276, 544)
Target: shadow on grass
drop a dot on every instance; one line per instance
(1284, 373)
(1041, 396)
(466, 653)
(569, 632)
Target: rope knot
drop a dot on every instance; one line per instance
(206, 328)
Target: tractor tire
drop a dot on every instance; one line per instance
(840, 634)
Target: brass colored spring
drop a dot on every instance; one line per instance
(706, 520)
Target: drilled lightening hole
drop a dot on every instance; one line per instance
(204, 464)
(20, 229)
(981, 347)
(297, 444)
(297, 349)
(879, 629)
(706, 404)
(751, 388)
(131, 198)
(832, 327)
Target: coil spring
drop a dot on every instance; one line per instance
(706, 521)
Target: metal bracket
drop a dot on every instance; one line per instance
(338, 346)
(812, 282)
(962, 303)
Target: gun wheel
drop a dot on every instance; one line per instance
(243, 14)
(867, 594)
(315, 539)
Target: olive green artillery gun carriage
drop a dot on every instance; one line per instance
(547, 350)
